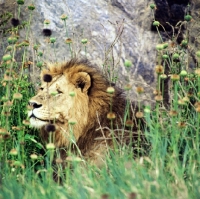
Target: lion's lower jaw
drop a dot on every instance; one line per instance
(34, 122)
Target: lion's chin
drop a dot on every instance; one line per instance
(37, 123)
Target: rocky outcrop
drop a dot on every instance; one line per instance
(116, 30)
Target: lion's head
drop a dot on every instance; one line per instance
(77, 93)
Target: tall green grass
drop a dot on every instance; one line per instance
(170, 167)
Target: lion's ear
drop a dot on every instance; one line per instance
(83, 81)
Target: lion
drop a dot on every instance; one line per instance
(85, 114)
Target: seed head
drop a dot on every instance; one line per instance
(47, 78)
(35, 47)
(139, 114)
(34, 156)
(159, 69)
(13, 152)
(9, 48)
(181, 102)
(163, 76)
(50, 128)
(31, 7)
(40, 54)
(72, 121)
(140, 90)
(159, 98)
(183, 73)
(20, 2)
(175, 56)
(173, 113)
(3, 131)
(47, 32)
(165, 45)
(110, 90)
(15, 22)
(26, 122)
(184, 43)
(12, 40)
(111, 116)
(159, 47)
(181, 124)
(59, 161)
(39, 64)
(46, 22)
(175, 77)
(68, 41)
(50, 146)
(129, 123)
(127, 87)
(17, 96)
(63, 17)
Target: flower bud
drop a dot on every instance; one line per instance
(72, 93)
(31, 7)
(156, 23)
(7, 57)
(188, 17)
(84, 41)
(12, 40)
(183, 73)
(127, 63)
(175, 56)
(52, 40)
(20, 2)
(152, 6)
(165, 56)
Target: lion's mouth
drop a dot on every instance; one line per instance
(36, 118)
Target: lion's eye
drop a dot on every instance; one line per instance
(41, 88)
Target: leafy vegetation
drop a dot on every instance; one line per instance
(171, 168)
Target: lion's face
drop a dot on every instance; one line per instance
(54, 104)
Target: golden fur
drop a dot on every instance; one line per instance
(88, 109)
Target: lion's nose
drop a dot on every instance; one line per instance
(35, 105)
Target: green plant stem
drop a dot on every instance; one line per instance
(29, 22)
(66, 28)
